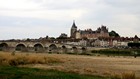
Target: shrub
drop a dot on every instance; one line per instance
(128, 75)
(109, 52)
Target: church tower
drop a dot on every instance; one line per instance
(73, 30)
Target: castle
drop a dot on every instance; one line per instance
(88, 33)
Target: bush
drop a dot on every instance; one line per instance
(128, 75)
(134, 45)
(115, 52)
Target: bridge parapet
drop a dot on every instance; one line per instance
(37, 46)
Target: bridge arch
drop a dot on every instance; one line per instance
(75, 49)
(64, 49)
(83, 49)
(3, 46)
(52, 47)
(20, 47)
(38, 47)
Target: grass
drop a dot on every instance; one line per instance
(10, 72)
(24, 59)
(10, 61)
(116, 52)
(128, 75)
(124, 75)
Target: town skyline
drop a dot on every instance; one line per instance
(38, 18)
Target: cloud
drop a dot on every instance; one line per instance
(12, 27)
(18, 5)
(44, 16)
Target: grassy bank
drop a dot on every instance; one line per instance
(15, 59)
(117, 52)
(9, 72)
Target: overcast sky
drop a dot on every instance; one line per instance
(21, 19)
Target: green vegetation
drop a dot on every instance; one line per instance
(113, 34)
(9, 69)
(116, 52)
(134, 45)
(9, 72)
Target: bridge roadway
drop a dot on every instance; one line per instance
(38, 46)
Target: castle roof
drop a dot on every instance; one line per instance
(74, 25)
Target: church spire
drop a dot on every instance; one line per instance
(73, 30)
(74, 25)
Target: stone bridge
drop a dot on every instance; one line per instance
(34, 46)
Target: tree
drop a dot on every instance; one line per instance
(113, 34)
(137, 45)
(61, 38)
(47, 37)
(52, 38)
(28, 39)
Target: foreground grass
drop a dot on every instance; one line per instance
(10, 62)
(15, 59)
(10, 72)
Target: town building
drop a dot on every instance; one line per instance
(88, 33)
